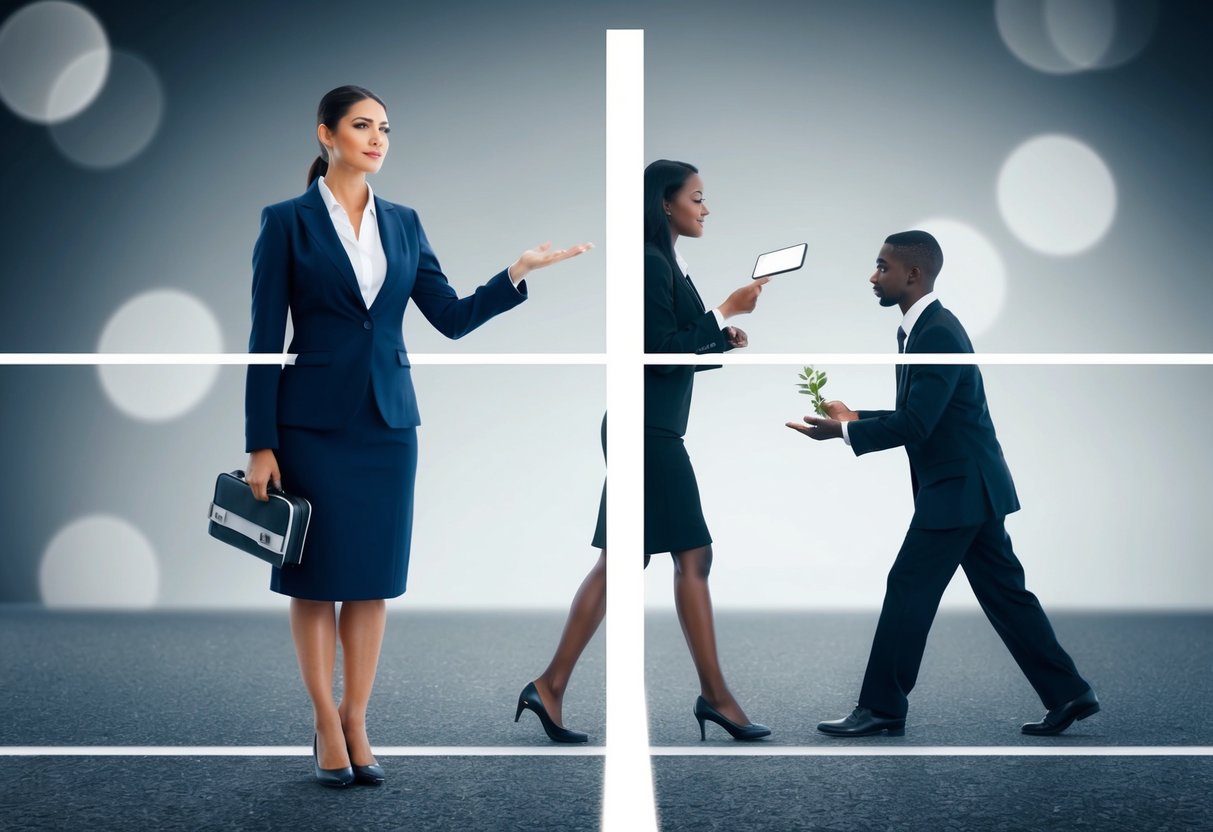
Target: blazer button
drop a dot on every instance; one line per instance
(366, 324)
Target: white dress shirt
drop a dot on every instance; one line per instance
(682, 266)
(907, 325)
(364, 249)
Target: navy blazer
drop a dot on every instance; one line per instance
(675, 320)
(299, 263)
(957, 469)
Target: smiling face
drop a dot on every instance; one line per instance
(360, 140)
(687, 209)
(893, 278)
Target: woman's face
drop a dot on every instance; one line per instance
(360, 140)
(687, 209)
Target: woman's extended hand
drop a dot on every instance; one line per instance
(263, 470)
(541, 256)
(743, 300)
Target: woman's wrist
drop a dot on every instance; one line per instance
(517, 272)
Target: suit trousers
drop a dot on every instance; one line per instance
(924, 566)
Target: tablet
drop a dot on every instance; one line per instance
(782, 260)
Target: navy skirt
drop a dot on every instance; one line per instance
(673, 515)
(359, 479)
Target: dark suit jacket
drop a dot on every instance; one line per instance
(300, 264)
(674, 321)
(957, 469)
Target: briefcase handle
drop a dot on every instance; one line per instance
(239, 474)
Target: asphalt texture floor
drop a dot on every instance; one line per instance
(451, 679)
(1151, 672)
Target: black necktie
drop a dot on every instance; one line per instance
(901, 340)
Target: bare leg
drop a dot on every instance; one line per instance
(314, 628)
(361, 627)
(693, 601)
(585, 615)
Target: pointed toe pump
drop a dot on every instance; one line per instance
(337, 778)
(371, 775)
(529, 700)
(705, 712)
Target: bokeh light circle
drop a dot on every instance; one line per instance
(122, 121)
(54, 60)
(973, 282)
(161, 320)
(99, 561)
(1065, 36)
(1056, 195)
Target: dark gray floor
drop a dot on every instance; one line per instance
(452, 679)
(1152, 672)
(468, 794)
(230, 678)
(782, 794)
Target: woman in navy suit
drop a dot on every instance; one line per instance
(339, 426)
(676, 321)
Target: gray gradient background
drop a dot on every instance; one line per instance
(1111, 466)
(497, 141)
(840, 123)
(508, 484)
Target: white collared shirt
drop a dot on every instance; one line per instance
(682, 266)
(364, 249)
(907, 326)
(915, 312)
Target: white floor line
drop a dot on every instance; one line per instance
(294, 751)
(936, 751)
(598, 751)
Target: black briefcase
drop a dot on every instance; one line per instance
(274, 531)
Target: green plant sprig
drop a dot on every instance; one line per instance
(812, 383)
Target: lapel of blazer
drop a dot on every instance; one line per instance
(903, 370)
(320, 228)
(393, 245)
(686, 281)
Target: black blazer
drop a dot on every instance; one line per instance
(957, 469)
(299, 264)
(674, 321)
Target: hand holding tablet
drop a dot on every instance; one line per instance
(780, 261)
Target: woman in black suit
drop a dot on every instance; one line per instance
(677, 322)
(339, 426)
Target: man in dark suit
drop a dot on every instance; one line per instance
(962, 494)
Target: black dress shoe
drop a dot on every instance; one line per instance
(337, 778)
(752, 731)
(863, 723)
(1059, 719)
(529, 700)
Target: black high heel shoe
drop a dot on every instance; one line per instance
(371, 775)
(529, 700)
(337, 778)
(704, 711)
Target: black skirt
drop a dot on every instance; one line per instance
(673, 515)
(359, 479)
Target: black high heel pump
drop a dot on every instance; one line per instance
(704, 711)
(529, 700)
(337, 778)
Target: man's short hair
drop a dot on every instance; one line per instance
(918, 248)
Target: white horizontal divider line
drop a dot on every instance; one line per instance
(294, 751)
(756, 750)
(243, 358)
(842, 358)
(600, 359)
(936, 751)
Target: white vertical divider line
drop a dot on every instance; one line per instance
(628, 801)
